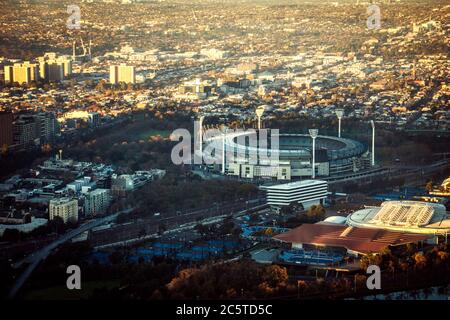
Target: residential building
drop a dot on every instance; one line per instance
(46, 126)
(22, 73)
(54, 68)
(97, 202)
(122, 73)
(25, 131)
(6, 129)
(65, 208)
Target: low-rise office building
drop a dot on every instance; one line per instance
(306, 193)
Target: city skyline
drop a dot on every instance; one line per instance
(242, 150)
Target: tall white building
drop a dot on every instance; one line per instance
(306, 192)
(122, 73)
(97, 202)
(21, 72)
(54, 68)
(65, 208)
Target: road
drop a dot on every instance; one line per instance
(134, 231)
(35, 258)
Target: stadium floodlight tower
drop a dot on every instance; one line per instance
(313, 133)
(259, 112)
(339, 114)
(224, 138)
(372, 123)
(200, 134)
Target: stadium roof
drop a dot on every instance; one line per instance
(361, 240)
(336, 220)
(404, 213)
(404, 216)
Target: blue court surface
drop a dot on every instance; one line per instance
(311, 257)
(402, 194)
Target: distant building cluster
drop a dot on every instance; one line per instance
(21, 131)
(28, 202)
(48, 68)
(125, 183)
(195, 89)
(214, 54)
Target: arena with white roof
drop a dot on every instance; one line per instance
(405, 216)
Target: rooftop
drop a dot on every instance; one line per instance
(412, 216)
(362, 240)
(404, 213)
(294, 185)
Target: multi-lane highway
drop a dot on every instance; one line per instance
(35, 258)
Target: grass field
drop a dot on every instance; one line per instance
(152, 133)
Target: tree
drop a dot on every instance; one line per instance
(292, 208)
(122, 86)
(302, 287)
(420, 260)
(56, 225)
(429, 186)
(276, 276)
(161, 229)
(442, 256)
(11, 235)
(411, 248)
(265, 289)
(116, 257)
(101, 86)
(360, 280)
(247, 190)
(316, 212)
(4, 150)
(364, 262)
(404, 266)
(201, 229)
(391, 268)
(46, 148)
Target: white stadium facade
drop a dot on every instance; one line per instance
(368, 231)
(334, 157)
(405, 216)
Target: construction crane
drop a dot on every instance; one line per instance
(82, 45)
(87, 52)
